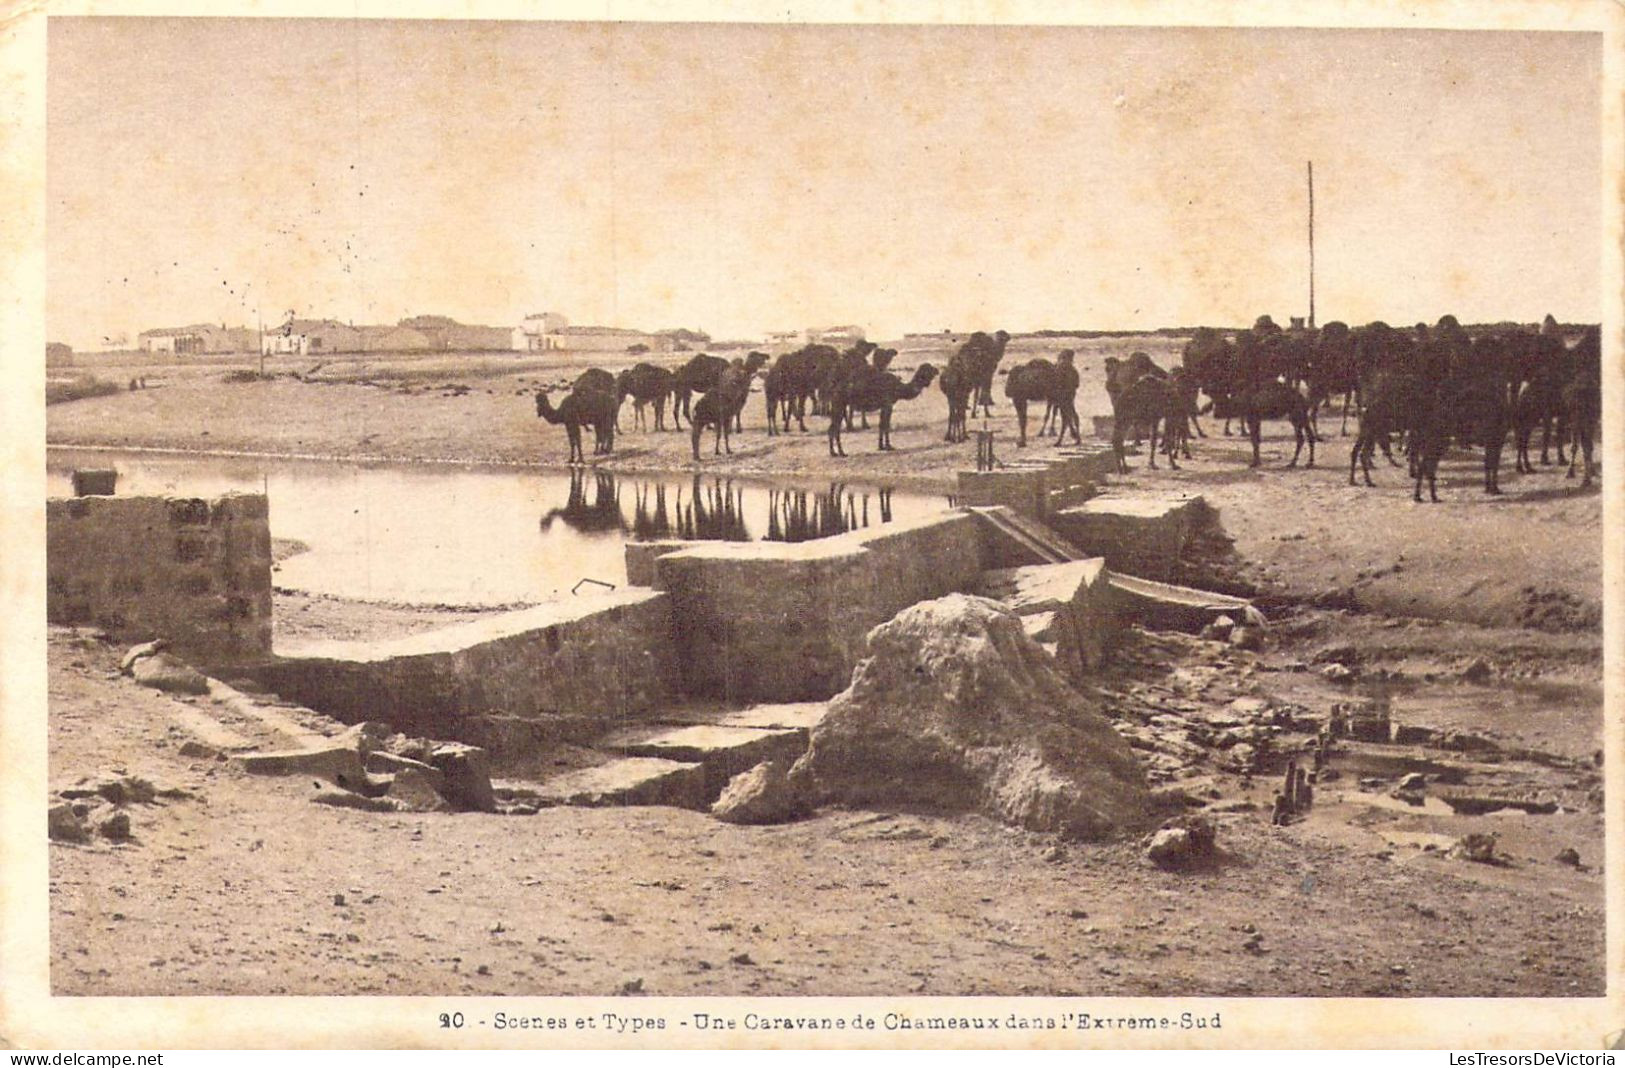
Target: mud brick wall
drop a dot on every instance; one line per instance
(768, 621)
(561, 671)
(195, 571)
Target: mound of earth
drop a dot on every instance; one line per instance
(956, 708)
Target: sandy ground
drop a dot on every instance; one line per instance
(245, 887)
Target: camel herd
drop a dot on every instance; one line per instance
(1424, 388)
(1428, 388)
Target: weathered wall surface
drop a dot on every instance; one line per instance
(768, 621)
(194, 571)
(563, 670)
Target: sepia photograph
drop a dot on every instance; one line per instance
(771, 510)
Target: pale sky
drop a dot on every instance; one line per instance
(742, 179)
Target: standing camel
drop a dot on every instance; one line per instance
(1031, 381)
(869, 390)
(982, 353)
(581, 408)
(645, 383)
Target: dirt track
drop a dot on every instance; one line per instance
(234, 890)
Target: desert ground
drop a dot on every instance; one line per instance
(1479, 616)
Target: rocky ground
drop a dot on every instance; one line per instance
(1473, 623)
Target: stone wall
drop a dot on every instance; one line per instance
(194, 571)
(769, 621)
(1143, 536)
(562, 671)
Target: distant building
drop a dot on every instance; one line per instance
(391, 339)
(199, 339)
(538, 332)
(835, 335)
(58, 355)
(550, 332)
(304, 337)
(449, 335)
(786, 337)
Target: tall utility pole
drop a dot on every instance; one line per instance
(1311, 244)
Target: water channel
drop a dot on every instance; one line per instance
(442, 534)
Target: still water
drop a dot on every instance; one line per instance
(480, 536)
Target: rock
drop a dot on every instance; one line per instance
(338, 764)
(366, 736)
(956, 708)
(467, 769)
(345, 799)
(413, 791)
(199, 750)
(1219, 630)
(1336, 673)
(116, 827)
(137, 652)
(169, 674)
(1477, 847)
(1247, 638)
(382, 763)
(1414, 781)
(764, 794)
(1477, 671)
(64, 824)
(1569, 856)
(1337, 654)
(1182, 841)
(1054, 854)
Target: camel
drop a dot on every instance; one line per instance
(1332, 370)
(868, 390)
(1269, 400)
(981, 354)
(1063, 396)
(1582, 400)
(645, 383)
(1473, 411)
(1028, 382)
(601, 380)
(698, 375)
(789, 384)
(1147, 402)
(583, 408)
(958, 382)
(1388, 394)
(722, 403)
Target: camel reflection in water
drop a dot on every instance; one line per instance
(801, 515)
(601, 516)
(714, 509)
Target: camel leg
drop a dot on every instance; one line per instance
(1021, 422)
(1253, 422)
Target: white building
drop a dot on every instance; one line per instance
(539, 333)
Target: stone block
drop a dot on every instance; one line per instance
(1074, 602)
(609, 659)
(774, 621)
(95, 482)
(629, 781)
(723, 751)
(146, 566)
(641, 557)
(465, 777)
(339, 765)
(1024, 489)
(1136, 535)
